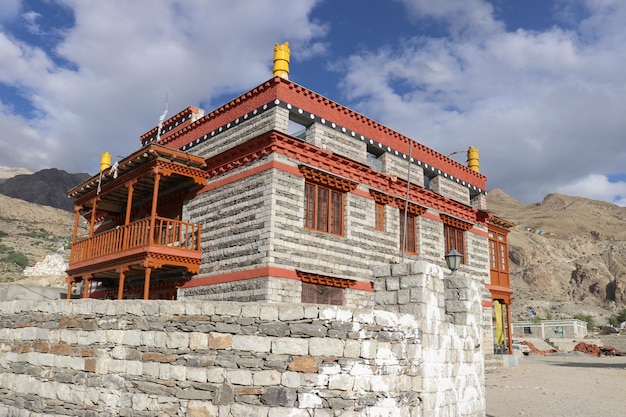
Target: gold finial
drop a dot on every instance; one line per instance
(472, 159)
(105, 161)
(281, 60)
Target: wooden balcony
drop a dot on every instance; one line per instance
(175, 238)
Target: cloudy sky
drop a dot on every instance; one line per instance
(539, 86)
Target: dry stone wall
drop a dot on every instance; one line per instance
(202, 358)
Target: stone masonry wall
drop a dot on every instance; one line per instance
(329, 139)
(202, 358)
(449, 311)
(230, 136)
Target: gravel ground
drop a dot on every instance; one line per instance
(560, 385)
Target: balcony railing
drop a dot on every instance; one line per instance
(169, 233)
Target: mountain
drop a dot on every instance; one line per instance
(47, 187)
(567, 255)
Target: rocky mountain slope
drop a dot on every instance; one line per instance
(46, 187)
(35, 231)
(567, 255)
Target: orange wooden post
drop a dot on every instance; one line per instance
(146, 284)
(155, 198)
(93, 216)
(86, 287)
(76, 219)
(69, 281)
(120, 288)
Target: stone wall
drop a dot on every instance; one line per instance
(203, 358)
(448, 308)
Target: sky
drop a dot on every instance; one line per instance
(538, 86)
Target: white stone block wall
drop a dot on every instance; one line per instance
(448, 308)
(190, 358)
(399, 167)
(329, 139)
(275, 118)
(450, 189)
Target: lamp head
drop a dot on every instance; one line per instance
(453, 259)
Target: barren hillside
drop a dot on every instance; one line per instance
(567, 255)
(33, 230)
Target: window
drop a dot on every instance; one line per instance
(455, 238)
(454, 234)
(408, 244)
(379, 221)
(324, 200)
(498, 252)
(323, 209)
(321, 294)
(321, 289)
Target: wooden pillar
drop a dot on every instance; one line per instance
(76, 220)
(120, 288)
(129, 201)
(155, 198)
(86, 286)
(70, 281)
(93, 216)
(146, 284)
(129, 205)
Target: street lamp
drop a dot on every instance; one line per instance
(453, 259)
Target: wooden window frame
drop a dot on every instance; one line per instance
(322, 294)
(498, 252)
(379, 217)
(454, 235)
(324, 200)
(323, 209)
(410, 241)
(455, 238)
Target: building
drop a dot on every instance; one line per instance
(281, 195)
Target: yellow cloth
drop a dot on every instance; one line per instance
(499, 323)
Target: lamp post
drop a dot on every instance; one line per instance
(453, 259)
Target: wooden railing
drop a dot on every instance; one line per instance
(167, 232)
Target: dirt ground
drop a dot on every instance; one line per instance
(560, 385)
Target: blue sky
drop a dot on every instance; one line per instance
(537, 85)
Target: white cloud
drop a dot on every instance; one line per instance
(545, 108)
(120, 60)
(596, 187)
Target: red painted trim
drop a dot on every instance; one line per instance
(499, 289)
(294, 94)
(361, 193)
(432, 216)
(486, 303)
(266, 271)
(245, 174)
(479, 232)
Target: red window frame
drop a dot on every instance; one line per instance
(498, 252)
(455, 238)
(379, 217)
(323, 208)
(410, 244)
